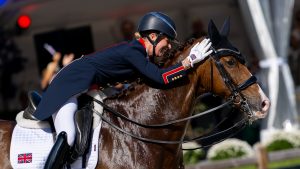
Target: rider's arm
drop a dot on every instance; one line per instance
(150, 70)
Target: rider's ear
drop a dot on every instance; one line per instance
(226, 27)
(213, 33)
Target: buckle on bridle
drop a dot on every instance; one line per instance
(237, 99)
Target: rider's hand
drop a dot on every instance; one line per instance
(200, 51)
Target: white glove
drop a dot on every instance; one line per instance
(200, 51)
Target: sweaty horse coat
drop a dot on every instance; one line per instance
(110, 65)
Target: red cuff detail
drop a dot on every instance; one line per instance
(171, 72)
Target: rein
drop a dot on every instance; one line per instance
(235, 92)
(162, 124)
(202, 139)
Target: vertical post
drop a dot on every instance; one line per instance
(261, 155)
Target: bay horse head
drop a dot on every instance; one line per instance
(148, 124)
(232, 79)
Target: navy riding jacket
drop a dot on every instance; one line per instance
(110, 65)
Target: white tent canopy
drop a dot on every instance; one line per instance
(269, 23)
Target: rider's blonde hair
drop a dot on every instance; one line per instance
(137, 35)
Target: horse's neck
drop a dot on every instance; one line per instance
(149, 105)
(175, 102)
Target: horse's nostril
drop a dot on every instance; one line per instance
(265, 105)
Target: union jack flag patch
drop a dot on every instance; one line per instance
(25, 158)
(193, 56)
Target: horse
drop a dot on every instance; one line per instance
(140, 135)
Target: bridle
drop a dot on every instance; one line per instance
(236, 96)
(235, 93)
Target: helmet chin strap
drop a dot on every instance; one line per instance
(154, 43)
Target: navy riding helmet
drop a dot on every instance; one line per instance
(158, 21)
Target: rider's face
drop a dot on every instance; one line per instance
(162, 46)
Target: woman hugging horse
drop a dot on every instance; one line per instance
(128, 145)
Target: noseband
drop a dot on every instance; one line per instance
(206, 139)
(236, 96)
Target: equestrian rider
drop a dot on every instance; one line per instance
(110, 65)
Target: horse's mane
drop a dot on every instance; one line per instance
(168, 56)
(177, 46)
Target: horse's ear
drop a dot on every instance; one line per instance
(226, 27)
(213, 33)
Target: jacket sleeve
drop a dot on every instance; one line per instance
(150, 70)
(70, 81)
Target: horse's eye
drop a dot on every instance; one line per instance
(231, 62)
